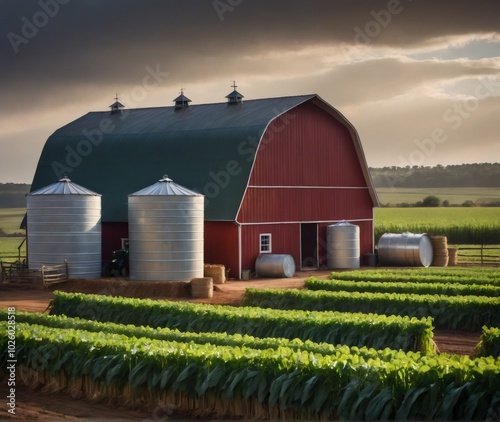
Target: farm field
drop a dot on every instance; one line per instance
(455, 196)
(10, 219)
(248, 377)
(462, 225)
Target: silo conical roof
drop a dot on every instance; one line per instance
(165, 187)
(64, 187)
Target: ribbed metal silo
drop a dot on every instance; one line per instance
(165, 224)
(342, 245)
(64, 223)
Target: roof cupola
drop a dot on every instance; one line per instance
(182, 101)
(234, 97)
(117, 106)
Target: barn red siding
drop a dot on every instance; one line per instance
(221, 245)
(306, 170)
(111, 240)
(298, 204)
(285, 240)
(306, 146)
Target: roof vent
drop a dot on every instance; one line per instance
(235, 97)
(182, 101)
(116, 106)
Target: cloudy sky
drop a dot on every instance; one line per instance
(419, 79)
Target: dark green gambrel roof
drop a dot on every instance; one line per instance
(206, 148)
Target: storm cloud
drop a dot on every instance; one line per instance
(398, 69)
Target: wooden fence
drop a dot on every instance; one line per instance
(53, 274)
(479, 255)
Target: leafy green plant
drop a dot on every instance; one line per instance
(216, 339)
(451, 312)
(447, 289)
(352, 329)
(489, 343)
(466, 276)
(272, 383)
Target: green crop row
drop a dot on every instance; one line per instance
(274, 383)
(450, 312)
(489, 344)
(447, 289)
(457, 234)
(216, 339)
(352, 329)
(488, 276)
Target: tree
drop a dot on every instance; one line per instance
(431, 201)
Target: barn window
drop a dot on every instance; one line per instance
(265, 243)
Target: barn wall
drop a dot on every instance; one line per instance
(221, 245)
(306, 146)
(304, 204)
(307, 170)
(285, 240)
(112, 233)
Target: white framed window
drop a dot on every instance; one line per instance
(265, 242)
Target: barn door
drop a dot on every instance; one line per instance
(309, 246)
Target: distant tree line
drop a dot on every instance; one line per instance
(461, 175)
(13, 195)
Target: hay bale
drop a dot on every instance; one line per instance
(440, 248)
(216, 271)
(202, 287)
(452, 256)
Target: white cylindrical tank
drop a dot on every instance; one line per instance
(342, 245)
(165, 224)
(64, 223)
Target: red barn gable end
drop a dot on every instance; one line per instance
(308, 173)
(272, 170)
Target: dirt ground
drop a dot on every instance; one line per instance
(40, 404)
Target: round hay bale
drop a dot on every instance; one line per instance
(440, 247)
(452, 256)
(202, 287)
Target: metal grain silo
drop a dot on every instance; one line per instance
(64, 223)
(342, 245)
(165, 224)
(405, 250)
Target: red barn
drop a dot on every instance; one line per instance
(275, 172)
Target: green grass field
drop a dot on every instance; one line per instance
(455, 196)
(10, 219)
(476, 225)
(441, 216)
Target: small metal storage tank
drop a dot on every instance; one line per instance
(405, 250)
(165, 224)
(342, 245)
(275, 265)
(64, 223)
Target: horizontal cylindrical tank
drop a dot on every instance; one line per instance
(275, 265)
(405, 250)
(166, 225)
(64, 223)
(342, 240)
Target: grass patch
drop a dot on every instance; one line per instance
(460, 225)
(455, 196)
(10, 220)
